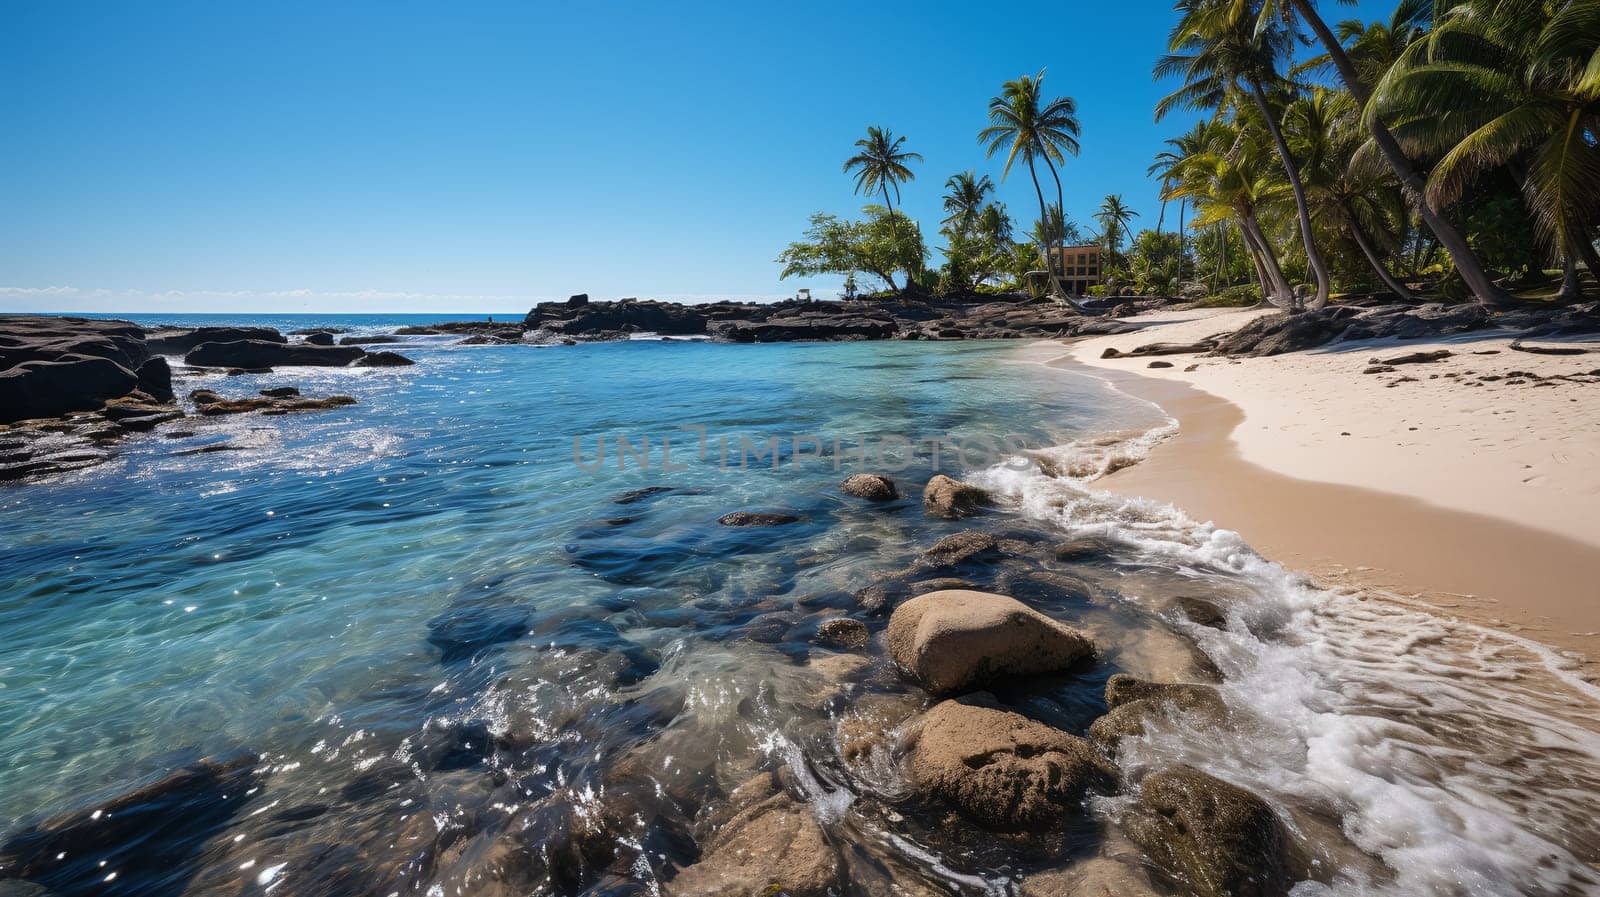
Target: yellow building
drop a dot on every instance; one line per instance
(1081, 269)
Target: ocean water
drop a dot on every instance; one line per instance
(487, 608)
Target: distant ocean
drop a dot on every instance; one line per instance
(465, 600)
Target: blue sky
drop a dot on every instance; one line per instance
(219, 156)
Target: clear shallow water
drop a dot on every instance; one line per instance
(443, 633)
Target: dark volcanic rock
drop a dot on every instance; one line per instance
(155, 379)
(178, 341)
(377, 339)
(280, 392)
(149, 836)
(252, 353)
(53, 388)
(383, 360)
(320, 338)
(757, 518)
(49, 338)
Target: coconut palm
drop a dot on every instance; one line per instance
(1028, 126)
(1221, 51)
(1323, 130)
(964, 202)
(1115, 219)
(1410, 175)
(1521, 82)
(881, 165)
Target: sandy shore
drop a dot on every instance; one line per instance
(1479, 496)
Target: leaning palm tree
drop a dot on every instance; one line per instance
(881, 165)
(1028, 126)
(1411, 176)
(1220, 52)
(1521, 81)
(1115, 219)
(968, 193)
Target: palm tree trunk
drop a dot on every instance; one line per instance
(1411, 180)
(1161, 218)
(1061, 235)
(1222, 254)
(1362, 240)
(1250, 229)
(895, 224)
(1319, 268)
(1044, 233)
(1180, 245)
(1571, 288)
(1268, 290)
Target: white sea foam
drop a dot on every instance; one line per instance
(1464, 761)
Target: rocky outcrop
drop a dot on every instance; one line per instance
(957, 640)
(49, 338)
(870, 486)
(1133, 701)
(772, 844)
(1280, 333)
(69, 383)
(155, 379)
(1002, 770)
(181, 340)
(1216, 838)
(383, 360)
(211, 404)
(952, 499)
(255, 353)
(805, 327)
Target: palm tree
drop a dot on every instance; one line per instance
(968, 193)
(1116, 219)
(1522, 83)
(1030, 127)
(1220, 51)
(1411, 177)
(881, 164)
(1167, 166)
(1323, 130)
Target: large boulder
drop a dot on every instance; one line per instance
(50, 338)
(1002, 770)
(1216, 838)
(1133, 701)
(54, 388)
(773, 844)
(180, 340)
(155, 379)
(383, 360)
(956, 640)
(952, 499)
(255, 353)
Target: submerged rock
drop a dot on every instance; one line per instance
(843, 632)
(773, 844)
(958, 548)
(1002, 770)
(1217, 838)
(952, 499)
(870, 486)
(757, 518)
(1133, 701)
(953, 641)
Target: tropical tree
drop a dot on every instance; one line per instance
(964, 199)
(1116, 220)
(1221, 51)
(1409, 173)
(881, 164)
(1323, 130)
(1028, 126)
(1521, 82)
(880, 244)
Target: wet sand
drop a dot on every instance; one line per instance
(1492, 569)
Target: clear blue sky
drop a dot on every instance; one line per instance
(475, 157)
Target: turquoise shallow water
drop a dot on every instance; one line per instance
(469, 662)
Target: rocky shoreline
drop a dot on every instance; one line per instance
(956, 667)
(72, 389)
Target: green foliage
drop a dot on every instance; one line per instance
(1152, 263)
(882, 244)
